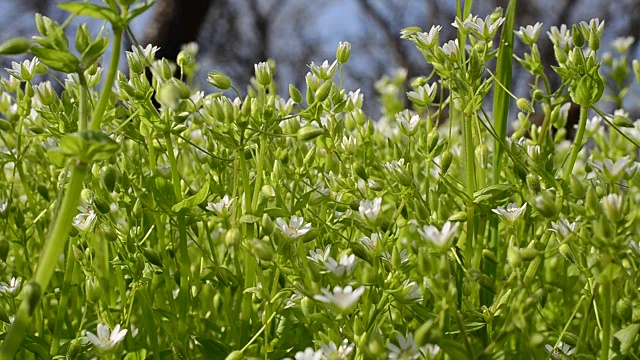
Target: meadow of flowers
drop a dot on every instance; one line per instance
(144, 218)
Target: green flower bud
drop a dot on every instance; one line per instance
(528, 254)
(295, 95)
(489, 256)
(538, 95)
(359, 116)
(101, 205)
(576, 35)
(561, 56)
(624, 310)
(15, 46)
(4, 250)
(309, 132)
(263, 73)
(267, 225)
(343, 52)
(135, 65)
(110, 178)
(487, 283)
(232, 237)
(594, 40)
(165, 69)
(235, 355)
(546, 206)
(622, 121)
(360, 170)
(513, 257)
(445, 161)
(577, 189)
(92, 289)
(432, 139)
(482, 156)
(219, 80)
(592, 198)
(323, 91)
(153, 256)
(533, 181)
(262, 249)
(75, 350)
(566, 251)
(525, 105)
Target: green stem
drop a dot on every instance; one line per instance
(103, 100)
(64, 297)
(606, 320)
(48, 260)
(575, 149)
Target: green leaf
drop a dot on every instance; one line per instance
(160, 313)
(94, 52)
(276, 212)
(92, 10)
(164, 194)
(88, 145)
(627, 336)
(58, 60)
(454, 349)
(135, 12)
(250, 219)
(194, 200)
(212, 349)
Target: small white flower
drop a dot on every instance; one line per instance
(408, 122)
(134, 331)
(423, 95)
(295, 228)
(614, 171)
(319, 255)
(24, 71)
(464, 25)
(404, 256)
(164, 168)
(451, 48)
(342, 298)
(529, 34)
(349, 144)
(332, 351)
(85, 219)
(294, 300)
(222, 207)
(105, 341)
(593, 124)
(439, 238)
(325, 71)
(354, 100)
(371, 242)
(345, 266)
(512, 213)
(427, 40)
(145, 54)
(309, 354)
(431, 349)
(410, 292)
(563, 227)
(370, 209)
(561, 37)
(4, 204)
(635, 246)
(612, 206)
(485, 29)
(562, 347)
(622, 44)
(406, 348)
(11, 289)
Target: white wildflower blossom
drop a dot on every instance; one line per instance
(451, 48)
(512, 213)
(342, 298)
(12, 288)
(222, 207)
(164, 168)
(410, 292)
(529, 34)
(405, 349)
(24, 71)
(427, 40)
(318, 255)
(408, 121)
(370, 209)
(333, 352)
(563, 227)
(107, 340)
(296, 227)
(622, 44)
(372, 241)
(4, 205)
(345, 266)
(615, 171)
(325, 71)
(423, 95)
(440, 238)
(561, 348)
(308, 354)
(404, 256)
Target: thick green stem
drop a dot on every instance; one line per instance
(606, 320)
(575, 149)
(64, 297)
(48, 260)
(103, 101)
(471, 179)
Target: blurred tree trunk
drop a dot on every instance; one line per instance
(175, 23)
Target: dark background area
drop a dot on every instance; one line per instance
(235, 34)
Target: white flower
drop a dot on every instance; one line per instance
(146, 53)
(408, 121)
(394, 165)
(319, 255)
(613, 206)
(614, 171)
(431, 349)
(423, 95)
(222, 207)
(106, 341)
(295, 228)
(561, 37)
(404, 257)
(164, 168)
(349, 144)
(4, 204)
(451, 48)
(512, 213)
(10, 289)
(464, 26)
(332, 351)
(85, 218)
(134, 331)
(622, 44)
(345, 266)
(563, 227)
(562, 347)
(354, 100)
(308, 354)
(326, 70)
(370, 209)
(427, 40)
(24, 71)
(593, 124)
(635, 246)
(406, 348)
(439, 238)
(529, 34)
(342, 298)
(371, 242)
(410, 292)
(293, 301)
(485, 29)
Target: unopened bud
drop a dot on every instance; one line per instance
(577, 37)
(232, 237)
(445, 161)
(533, 181)
(546, 206)
(295, 95)
(525, 105)
(482, 156)
(343, 52)
(263, 73)
(153, 256)
(92, 289)
(219, 80)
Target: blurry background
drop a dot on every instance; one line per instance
(235, 34)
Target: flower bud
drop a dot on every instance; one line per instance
(445, 161)
(533, 181)
(101, 205)
(267, 225)
(622, 121)
(613, 207)
(15, 46)
(528, 253)
(4, 250)
(546, 206)
(262, 249)
(165, 70)
(525, 105)
(92, 289)
(153, 256)
(309, 133)
(538, 95)
(577, 37)
(594, 40)
(561, 56)
(360, 170)
(636, 69)
(489, 256)
(624, 309)
(432, 139)
(232, 237)
(294, 93)
(323, 91)
(263, 73)
(359, 116)
(235, 355)
(343, 52)
(482, 156)
(219, 80)
(513, 257)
